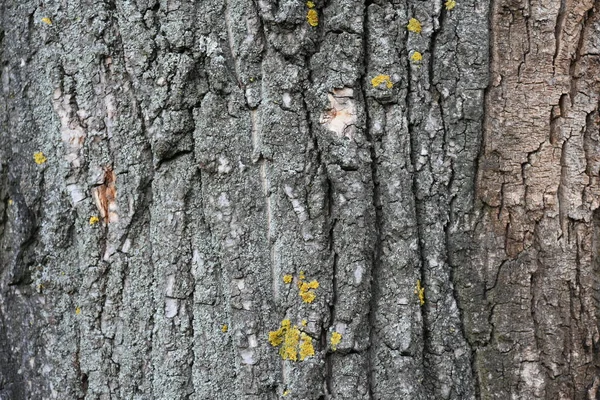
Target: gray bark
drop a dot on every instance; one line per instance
(226, 144)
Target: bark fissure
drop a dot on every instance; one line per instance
(376, 254)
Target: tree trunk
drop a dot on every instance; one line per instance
(237, 199)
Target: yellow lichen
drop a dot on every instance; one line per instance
(416, 57)
(77, 310)
(450, 4)
(336, 338)
(302, 275)
(289, 348)
(47, 21)
(276, 337)
(306, 289)
(39, 158)
(304, 322)
(10, 202)
(287, 279)
(286, 392)
(310, 4)
(94, 220)
(379, 79)
(306, 347)
(308, 297)
(312, 17)
(420, 291)
(291, 342)
(224, 328)
(414, 25)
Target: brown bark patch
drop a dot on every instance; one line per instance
(105, 196)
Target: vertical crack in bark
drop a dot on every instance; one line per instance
(142, 214)
(230, 42)
(328, 355)
(331, 222)
(416, 143)
(12, 381)
(481, 209)
(82, 377)
(558, 28)
(376, 254)
(153, 307)
(578, 289)
(527, 17)
(192, 295)
(439, 100)
(266, 187)
(562, 195)
(589, 14)
(198, 175)
(575, 301)
(486, 121)
(536, 280)
(595, 296)
(414, 154)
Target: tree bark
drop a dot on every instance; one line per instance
(205, 172)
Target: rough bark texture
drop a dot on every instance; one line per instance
(224, 144)
(536, 335)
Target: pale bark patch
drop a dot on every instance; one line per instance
(341, 115)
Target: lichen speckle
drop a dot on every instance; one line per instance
(289, 349)
(420, 291)
(308, 297)
(276, 337)
(291, 342)
(306, 290)
(414, 25)
(450, 4)
(287, 279)
(224, 328)
(312, 17)
(416, 57)
(305, 286)
(306, 346)
(77, 310)
(336, 338)
(39, 158)
(310, 4)
(94, 220)
(47, 21)
(379, 79)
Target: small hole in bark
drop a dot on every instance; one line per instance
(84, 383)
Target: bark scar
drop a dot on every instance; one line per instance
(341, 115)
(105, 196)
